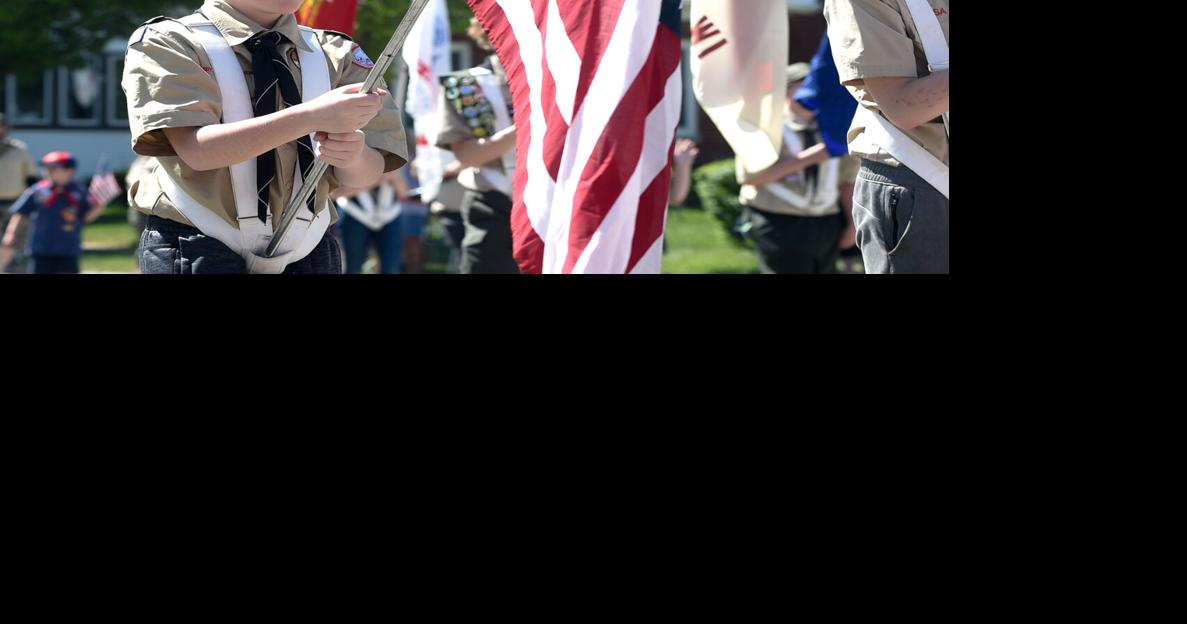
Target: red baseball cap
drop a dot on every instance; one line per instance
(59, 159)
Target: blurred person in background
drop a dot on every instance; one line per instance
(792, 209)
(17, 173)
(476, 124)
(57, 208)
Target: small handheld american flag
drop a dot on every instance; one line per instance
(104, 186)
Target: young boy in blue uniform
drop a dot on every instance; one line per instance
(57, 209)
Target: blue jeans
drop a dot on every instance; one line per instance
(412, 221)
(357, 238)
(171, 248)
(45, 265)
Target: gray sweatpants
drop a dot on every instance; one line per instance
(901, 221)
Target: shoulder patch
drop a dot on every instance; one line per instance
(360, 58)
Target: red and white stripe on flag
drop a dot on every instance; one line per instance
(103, 189)
(598, 91)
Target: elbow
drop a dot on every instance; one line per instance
(906, 122)
(903, 118)
(195, 155)
(194, 159)
(464, 160)
(184, 142)
(764, 177)
(197, 162)
(370, 179)
(465, 153)
(759, 179)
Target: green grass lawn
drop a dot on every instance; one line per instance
(109, 244)
(697, 245)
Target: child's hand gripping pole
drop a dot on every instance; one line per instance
(314, 175)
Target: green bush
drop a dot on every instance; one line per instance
(717, 187)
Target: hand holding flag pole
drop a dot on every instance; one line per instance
(314, 176)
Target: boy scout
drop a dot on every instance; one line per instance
(893, 57)
(235, 102)
(791, 209)
(17, 172)
(57, 208)
(476, 125)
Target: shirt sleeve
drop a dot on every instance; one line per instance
(166, 87)
(451, 125)
(351, 65)
(869, 40)
(25, 204)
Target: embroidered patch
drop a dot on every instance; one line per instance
(360, 58)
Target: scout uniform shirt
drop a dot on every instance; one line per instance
(805, 184)
(56, 218)
(16, 166)
(471, 122)
(169, 82)
(878, 39)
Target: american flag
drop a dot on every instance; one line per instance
(104, 186)
(598, 91)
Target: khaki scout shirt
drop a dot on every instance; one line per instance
(170, 84)
(878, 39)
(16, 165)
(798, 183)
(453, 128)
(847, 174)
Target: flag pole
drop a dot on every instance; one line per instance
(314, 175)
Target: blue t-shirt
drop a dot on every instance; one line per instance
(56, 217)
(823, 94)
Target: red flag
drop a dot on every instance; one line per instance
(336, 15)
(598, 91)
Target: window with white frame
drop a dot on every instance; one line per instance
(80, 94)
(117, 104)
(28, 99)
